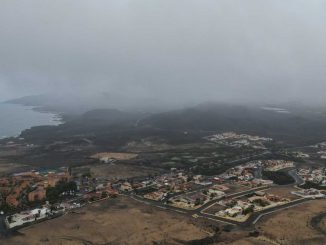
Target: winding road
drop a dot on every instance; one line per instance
(296, 177)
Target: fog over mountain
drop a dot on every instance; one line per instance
(165, 52)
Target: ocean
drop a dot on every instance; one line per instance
(16, 118)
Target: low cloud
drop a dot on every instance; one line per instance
(181, 51)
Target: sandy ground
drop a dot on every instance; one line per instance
(214, 209)
(249, 241)
(118, 221)
(292, 226)
(125, 221)
(234, 188)
(240, 238)
(284, 192)
(289, 227)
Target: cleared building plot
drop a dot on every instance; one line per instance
(111, 156)
(285, 192)
(235, 188)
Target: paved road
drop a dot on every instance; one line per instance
(242, 193)
(238, 161)
(254, 218)
(296, 177)
(199, 212)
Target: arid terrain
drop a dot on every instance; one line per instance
(294, 226)
(118, 221)
(125, 221)
(284, 191)
(119, 171)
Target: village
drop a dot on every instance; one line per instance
(237, 195)
(234, 195)
(237, 140)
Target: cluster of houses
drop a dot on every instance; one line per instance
(300, 154)
(177, 188)
(254, 183)
(240, 210)
(238, 140)
(275, 165)
(322, 154)
(26, 217)
(33, 185)
(196, 199)
(38, 214)
(162, 186)
(242, 172)
(102, 191)
(91, 189)
(29, 187)
(317, 175)
(245, 175)
(166, 187)
(319, 145)
(172, 182)
(309, 193)
(319, 150)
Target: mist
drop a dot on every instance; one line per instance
(167, 52)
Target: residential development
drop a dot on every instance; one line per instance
(239, 195)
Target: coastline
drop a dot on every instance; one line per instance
(56, 118)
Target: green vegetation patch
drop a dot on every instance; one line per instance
(309, 184)
(53, 193)
(278, 177)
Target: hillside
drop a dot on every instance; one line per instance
(118, 127)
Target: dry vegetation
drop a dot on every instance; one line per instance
(235, 188)
(293, 226)
(117, 221)
(283, 191)
(6, 165)
(118, 171)
(249, 241)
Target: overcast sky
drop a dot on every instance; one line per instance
(179, 50)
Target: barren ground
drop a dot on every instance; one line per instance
(119, 171)
(125, 221)
(116, 221)
(293, 226)
(283, 191)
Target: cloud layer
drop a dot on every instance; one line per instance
(181, 51)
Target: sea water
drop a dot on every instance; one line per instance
(16, 118)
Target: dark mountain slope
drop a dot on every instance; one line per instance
(116, 127)
(294, 127)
